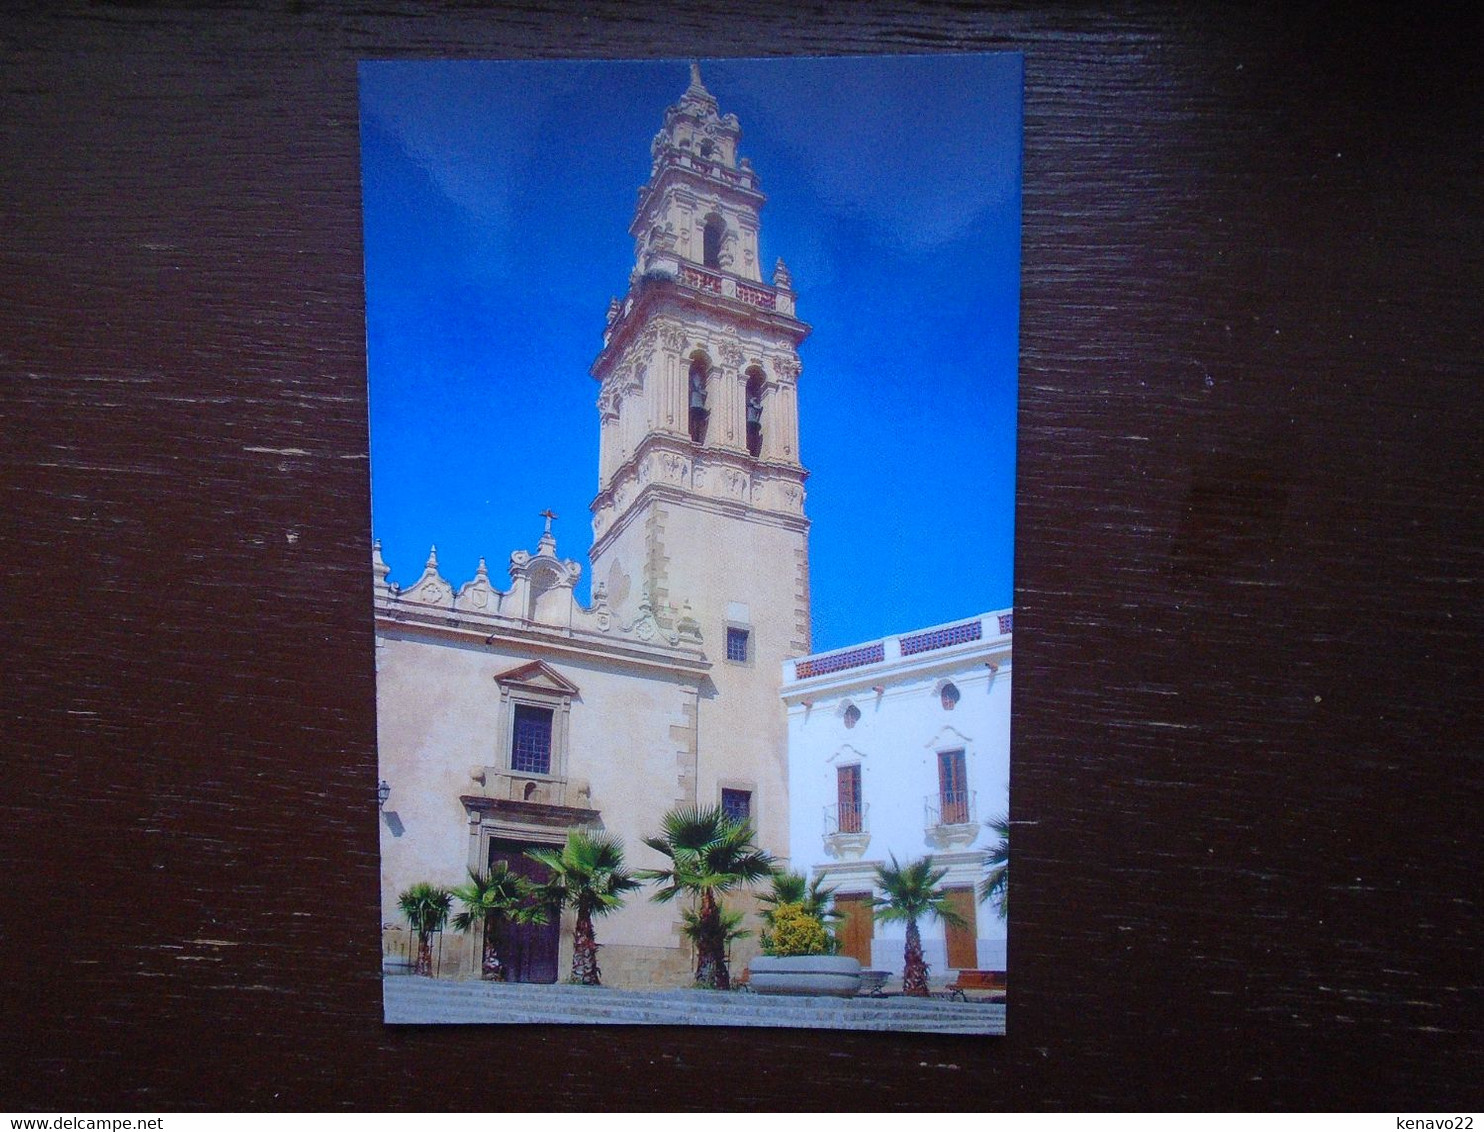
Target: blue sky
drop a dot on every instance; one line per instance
(497, 201)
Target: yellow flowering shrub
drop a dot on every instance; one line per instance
(796, 932)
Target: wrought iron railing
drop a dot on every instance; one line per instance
(949, 807)
(846, 819)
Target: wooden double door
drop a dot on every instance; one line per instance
(856, 928)
(528, 951)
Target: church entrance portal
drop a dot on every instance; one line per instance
(528, 951)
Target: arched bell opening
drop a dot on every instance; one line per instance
(754, 413)
(712, 235)
(700, 413)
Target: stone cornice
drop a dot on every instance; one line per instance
(532, 813)
(992, 652)
(659, 442)
(460, 627)
(653, 293)
(667, 493)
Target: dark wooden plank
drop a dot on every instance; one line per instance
(1247, 775)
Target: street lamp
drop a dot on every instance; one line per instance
(383, 792)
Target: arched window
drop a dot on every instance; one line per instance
(754, 413)
(949, 695)
(711, 237)
(699, 414)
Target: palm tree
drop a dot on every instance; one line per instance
(731, 928)
(426, 908)
(996, 883)
(911, 892)
(489, 898)
(710, 855)
(587, 874)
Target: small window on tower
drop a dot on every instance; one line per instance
(737, 804)
(737, 641)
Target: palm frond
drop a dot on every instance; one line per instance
(425, 906)
(911, 892)
(996, 883)
(587, 873)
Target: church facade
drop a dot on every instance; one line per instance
(507, 716)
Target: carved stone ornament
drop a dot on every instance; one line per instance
(731, 353)
(672, 336)
(787, 367)
(431, 588)
(646, 626)
(478, 595)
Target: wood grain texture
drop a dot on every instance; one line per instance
(1247, 777)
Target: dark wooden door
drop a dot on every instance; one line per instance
(848, 789)
(857, 927)
(962, 949)
(529, 951)
(953, 790)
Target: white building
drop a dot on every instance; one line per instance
(902, 746)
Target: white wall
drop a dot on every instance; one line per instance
(901, 729)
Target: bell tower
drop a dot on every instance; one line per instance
(700, 507)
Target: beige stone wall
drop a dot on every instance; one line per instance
(632, 738)
(733, 570)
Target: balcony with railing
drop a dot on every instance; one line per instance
(951, 818)
(983, 628)
(727, 286)
(847, 831)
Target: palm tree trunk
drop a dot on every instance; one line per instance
(585, 951)
(711, 950)
(424, 964)
(914, 970)
(489, 963)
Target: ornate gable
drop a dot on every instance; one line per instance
(537, 676)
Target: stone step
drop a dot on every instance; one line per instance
(440, 1000)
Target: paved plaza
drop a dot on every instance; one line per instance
(411, 999)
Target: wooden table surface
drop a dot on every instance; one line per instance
(1247, 780)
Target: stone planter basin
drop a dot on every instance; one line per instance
(836, 975)
(873, 982)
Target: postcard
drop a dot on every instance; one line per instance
(693, 393)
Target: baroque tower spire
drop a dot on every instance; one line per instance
(699, 365)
